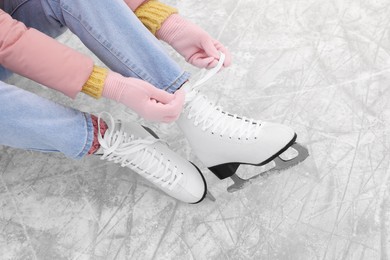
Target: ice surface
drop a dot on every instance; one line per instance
(321, 67)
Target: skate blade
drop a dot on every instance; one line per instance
(280, 165)
(210, 196)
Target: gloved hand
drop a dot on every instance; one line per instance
(192, 42)
(146, 100)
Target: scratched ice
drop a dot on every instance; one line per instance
(321, 67)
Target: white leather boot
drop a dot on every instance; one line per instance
(133, 146)
(223, 141)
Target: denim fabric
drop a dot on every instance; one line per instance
(116, 36)
(31, 122)
(110, 30)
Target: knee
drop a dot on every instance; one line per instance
(38, 15)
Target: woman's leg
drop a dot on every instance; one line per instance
(33, 123)
(30, 122)
(113, 32)
(119, 39)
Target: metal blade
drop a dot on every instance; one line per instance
(239, 183)
(210, 196)
(280, 165)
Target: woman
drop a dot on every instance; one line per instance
(124, 35)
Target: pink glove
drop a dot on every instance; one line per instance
(192, 42)
(146, 100)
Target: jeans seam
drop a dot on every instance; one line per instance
(88, 141)
(54, 13)
(177, 83)
(17, 7)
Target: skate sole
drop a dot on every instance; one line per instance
(223, 171)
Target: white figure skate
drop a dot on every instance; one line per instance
(223, 141)
(138, 148)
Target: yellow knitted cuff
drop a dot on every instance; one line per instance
(95, 83)
(153, 13)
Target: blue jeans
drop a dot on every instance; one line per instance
(115, 35)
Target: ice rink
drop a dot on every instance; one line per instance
(321, 67)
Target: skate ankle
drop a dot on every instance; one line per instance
(213, 118)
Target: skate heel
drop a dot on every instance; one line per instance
(224, 171)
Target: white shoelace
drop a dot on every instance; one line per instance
(136, 153)
(212, 117)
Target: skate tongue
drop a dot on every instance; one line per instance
(111, 125)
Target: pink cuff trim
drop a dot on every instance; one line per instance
(170, 28)
(113, 86)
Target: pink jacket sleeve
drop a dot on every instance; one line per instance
(133, 4)
(36, 56)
